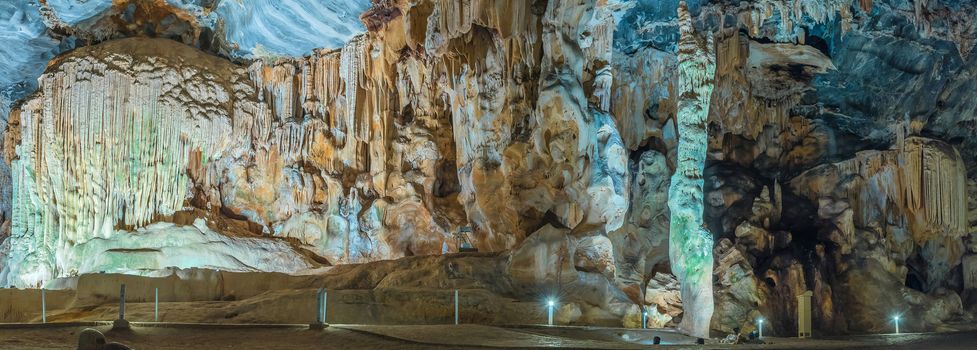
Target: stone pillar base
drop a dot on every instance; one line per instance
(120, 324)
(318, 326)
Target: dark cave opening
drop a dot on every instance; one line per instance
(446, 182)
(916, 276)
(799, 218)
(914, 282)
(817, 42)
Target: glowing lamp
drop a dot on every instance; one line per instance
(549, 311)
(760, 327)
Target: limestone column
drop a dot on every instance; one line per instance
(690, 244)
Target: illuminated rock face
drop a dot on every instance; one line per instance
(578, 136)
(349, 152)
(177, 134)
(898, 215)
(120, 137)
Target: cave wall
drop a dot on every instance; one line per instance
(838, 151)
(356, 154)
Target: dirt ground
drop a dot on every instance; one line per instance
(267, 311)
(170, 338)
(434, 337)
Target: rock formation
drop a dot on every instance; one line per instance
(690, 245)
(702, 164)
(898, 214)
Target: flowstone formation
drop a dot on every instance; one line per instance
(119, 137)
(701, 164)
(347, 154)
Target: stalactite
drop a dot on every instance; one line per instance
(349, 69)
(599, 47)
(314, 106)
(777, 201)
(737, 108)
(108, 129)
(792, 12)
(921, 183)
(752, 93)
(107, 147)
(946, 22)
(690, 244)
(934, 181)
(919, 10)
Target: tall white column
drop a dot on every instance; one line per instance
(690, 244)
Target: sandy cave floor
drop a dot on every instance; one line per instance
(430, 337)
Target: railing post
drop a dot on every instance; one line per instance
(156, 305)
(121, 323)
(122, 302)
(43, 306)
(456, 307)
(320, 311)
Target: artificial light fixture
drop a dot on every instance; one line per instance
(760, 327)
(549, 311)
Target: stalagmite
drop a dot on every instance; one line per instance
(690, 244)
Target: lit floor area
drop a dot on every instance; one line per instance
(17, 337)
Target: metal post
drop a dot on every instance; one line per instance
(760, 321)
(43, 306)
(644, 320)
(156, 306)
(456, 306)
(121, 323)
(122, 302)
(320, 316)
(320, 311)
